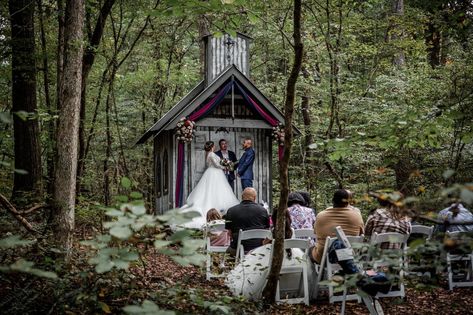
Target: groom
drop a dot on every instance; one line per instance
(245, 166)
(224, 153)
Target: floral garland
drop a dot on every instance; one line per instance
(185, 130)
(278, 134)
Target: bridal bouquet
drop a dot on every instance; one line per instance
(185, 130)
(229, 165)
(278, 134)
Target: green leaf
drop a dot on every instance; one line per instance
(105, 308)
(114, 213)
(104, 266)
(253, 18)
(27, 267)
(125, 182)
(121, 198)
(161, 243)
(147, 308)
(121, 232)
(448, 173)
(138, 209)
(5, 118)
(136, 195)
(14, 241)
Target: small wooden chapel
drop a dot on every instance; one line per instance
(224, 105)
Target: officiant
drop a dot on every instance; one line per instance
(230, 156)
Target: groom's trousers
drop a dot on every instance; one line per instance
(246, 183)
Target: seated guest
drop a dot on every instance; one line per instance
(248, 215)
(220, 238)
(301, 217)
(454, 218)
(307, 201)
(351, 201)
(339, 215)
(389, 217)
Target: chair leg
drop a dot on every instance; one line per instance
(306, 285)
(278, 297)
(208, 266)
(450, 273)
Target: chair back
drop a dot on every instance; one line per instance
(257, 233)
(422, 229)
(390, 237)
(356, 239)
(296, 243)
(212, 227)
(304, 233)
(248, 235)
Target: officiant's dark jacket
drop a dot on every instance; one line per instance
(231, 157)
(247, 215)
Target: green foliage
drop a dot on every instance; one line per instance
(146, 308)
(22, 265)
(131, 224)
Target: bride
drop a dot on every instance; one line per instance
(212, 191)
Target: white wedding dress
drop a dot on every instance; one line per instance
(212, 191)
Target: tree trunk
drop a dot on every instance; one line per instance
(67, 134)
(25, 131)
(398, 11)
(87, 63)
(203, 31)
(60, 52)
(269, 292)
(50, 125)
(308, 138)
(432, 38)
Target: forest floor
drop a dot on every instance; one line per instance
(166, 274)
(79, 290)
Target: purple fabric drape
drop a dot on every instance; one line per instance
(179, 175)
(207, 108)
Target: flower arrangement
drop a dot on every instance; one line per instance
(185, 130)
(278, 134)
(229, 165)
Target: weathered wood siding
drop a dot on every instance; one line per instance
(221, 54)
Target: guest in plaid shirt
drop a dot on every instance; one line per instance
(388, 218)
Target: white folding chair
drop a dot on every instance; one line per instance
(304, 233)
(326, 270)
(209, 249)
(247, 235)
(392, 238)
(423, 229)
(295, 266)
(452, 259)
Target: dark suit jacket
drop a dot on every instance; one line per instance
(245, 166)
(231, 157)
(246, 216)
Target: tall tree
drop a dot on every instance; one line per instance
(68, 129)
(88, 60)
(25, 130)
(396, 31)
(269, 292)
